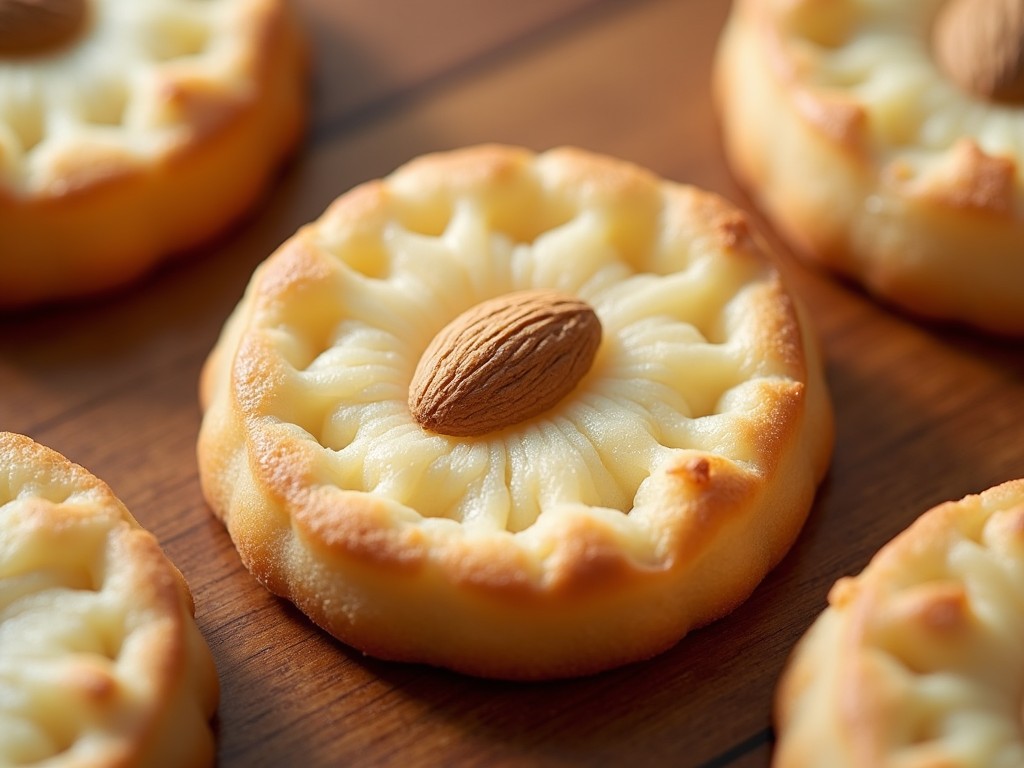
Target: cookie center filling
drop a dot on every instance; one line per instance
(30, 27)
(979, 44)
(503, 361)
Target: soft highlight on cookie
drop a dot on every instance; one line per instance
(673, 469)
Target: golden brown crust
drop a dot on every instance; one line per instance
(197, 146)
(866, 158)
(101, 660)
(661, 511)
(916, 661)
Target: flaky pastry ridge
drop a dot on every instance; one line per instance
(917, 661)
(870, 160)
(650, 500)
(101, 662)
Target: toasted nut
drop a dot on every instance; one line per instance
(980, 45)
(35, 26)
(504, 361)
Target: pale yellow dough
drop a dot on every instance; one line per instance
(870, 161)
(917, 662)
(651, 500)
(147, 134)
(101, 662)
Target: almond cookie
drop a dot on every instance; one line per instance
(522, 416)
(131, 131)
(917, 661)
(885, 141)
(101, 662)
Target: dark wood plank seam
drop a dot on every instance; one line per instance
(333, 128)
(97, 400)
(740, 749)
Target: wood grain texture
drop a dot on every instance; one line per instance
(924, 413)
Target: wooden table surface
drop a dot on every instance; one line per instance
(924, 414)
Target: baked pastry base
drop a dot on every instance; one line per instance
(839, 123)
(651, 500)
(917, 661)
(101, 662)
(150, 160)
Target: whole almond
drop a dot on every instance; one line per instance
(980, 46)
(503, 361)
(36, 26)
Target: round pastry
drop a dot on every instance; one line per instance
(131, 131)
(522, 416)
(917, 661)
(885, 141)
(101, 662)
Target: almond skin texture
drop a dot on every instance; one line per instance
(35, 26)
(503, 361)
(980, 45)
